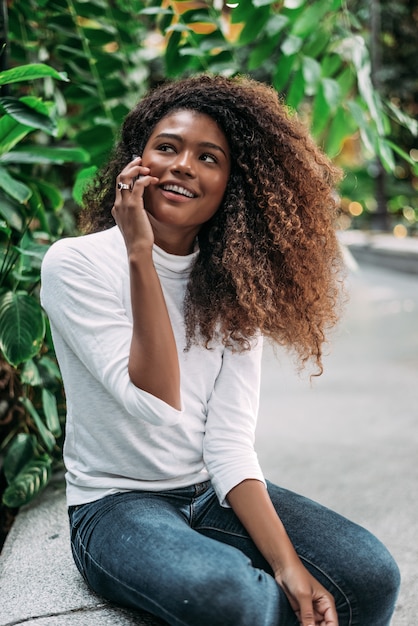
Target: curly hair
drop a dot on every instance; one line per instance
(269, 259)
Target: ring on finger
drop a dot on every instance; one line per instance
(122, 186)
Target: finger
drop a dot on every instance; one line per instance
(306, 612)
(328, 613)
(144, 180)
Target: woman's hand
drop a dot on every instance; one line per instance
(312, 603)
(128, 211)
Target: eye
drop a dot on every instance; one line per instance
(165, 147)
(209, 158)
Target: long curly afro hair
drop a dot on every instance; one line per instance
(269, 259)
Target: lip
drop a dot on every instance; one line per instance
(171, 195)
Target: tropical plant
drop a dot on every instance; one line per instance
(29, 377)
(314, 53)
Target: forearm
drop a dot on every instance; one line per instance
(153, 359)
(252, 505)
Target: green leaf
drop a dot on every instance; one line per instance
(261, 52)
(243, 12)
(386, 155)
(44, 154)
(45, 434)
(100, 36)
(330, 64)
(178, 27)
(317, 43)
(283, 71)
(254, 26)
(291, 45)
(49, 405)
(311, 74)
(361, 61)
(297, 90)
(156, 11)
(18, 454)
(31, 71)
(11, 211)
(50, 366)
(262, 3)
(332, 93)
(28, 115)
(198, 15)
(310, 17)
(293, 4)
(362, 121)
(30, 374)
(341, 127)
(346, 81)
(11, 132)
(52, 193)
(320, 112)
(276, 24)
(401, 153)
(5, 229)
(22, 326)
(30, 481)
(33, 249)
(175, 64)
(409, 122)
(13, 187)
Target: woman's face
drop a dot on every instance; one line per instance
(189, 154)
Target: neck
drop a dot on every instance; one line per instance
(179, 243)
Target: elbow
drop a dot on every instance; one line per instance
(162, 390)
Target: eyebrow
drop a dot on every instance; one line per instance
(203, 144)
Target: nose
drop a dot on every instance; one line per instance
(183, 164)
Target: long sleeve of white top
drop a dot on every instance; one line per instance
(119, 437)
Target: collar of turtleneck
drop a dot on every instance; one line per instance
(172, 265)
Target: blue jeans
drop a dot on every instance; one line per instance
(181, 556)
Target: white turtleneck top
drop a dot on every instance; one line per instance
(119, 437)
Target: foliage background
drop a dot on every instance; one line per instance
(70, 70)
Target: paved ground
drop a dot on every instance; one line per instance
(349, 441)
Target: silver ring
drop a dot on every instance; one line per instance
(123, 186)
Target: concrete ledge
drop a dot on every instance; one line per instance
(39, 583)
(383, 250)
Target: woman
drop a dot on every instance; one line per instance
(220, 233)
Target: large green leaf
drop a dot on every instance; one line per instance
(311, 73)
(22, 326)
(291, 45)
(254, 25)
(49, 405)
(31, 71)
(83, 179)
(44, 433)
(297, 90)
(30, 374)
(283, 70)
(19, 453)
(11, 132)
(310, 17)
(30, 481)
(13, 187)
(44, 154)
(341, 127)
(30, 112)
(11, 211)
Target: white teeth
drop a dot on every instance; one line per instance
(177, 189)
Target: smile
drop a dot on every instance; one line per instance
(180, 190)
